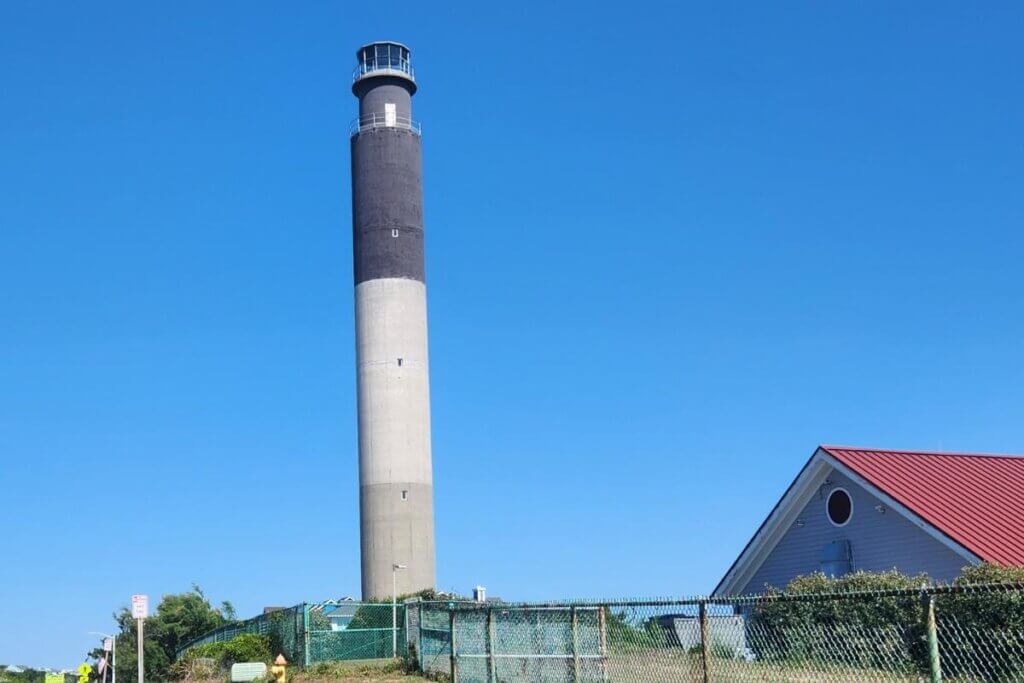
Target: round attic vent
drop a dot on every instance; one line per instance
(839, 507)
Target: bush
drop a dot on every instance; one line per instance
(869, 632)
(626, 631)
(983, 625)
(247, 647)
(977, 629)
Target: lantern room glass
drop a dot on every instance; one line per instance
(383, 57)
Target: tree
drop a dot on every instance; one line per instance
(178, 619)
(228, 610)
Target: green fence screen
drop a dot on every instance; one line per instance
(335, 630)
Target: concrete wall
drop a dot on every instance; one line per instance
(879, 541)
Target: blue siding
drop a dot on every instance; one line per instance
(879, 542)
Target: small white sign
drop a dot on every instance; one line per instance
(108, 644)
(140, 606)
(248, 671)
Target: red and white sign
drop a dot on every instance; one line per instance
(140, 606)
(108, 644)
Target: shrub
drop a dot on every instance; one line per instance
(977, 629)
(871, 631)
(982, 625)
(625, 630)
(247, 647)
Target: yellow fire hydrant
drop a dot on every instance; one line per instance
(280, 669)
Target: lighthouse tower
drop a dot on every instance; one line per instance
(396, 495)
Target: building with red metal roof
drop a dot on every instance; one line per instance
(868, 509)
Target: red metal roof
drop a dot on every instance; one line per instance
(975, 499)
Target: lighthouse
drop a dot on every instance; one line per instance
(396, 492)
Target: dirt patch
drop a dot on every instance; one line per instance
(370, 671)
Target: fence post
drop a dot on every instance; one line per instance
(419, 636)
(704, 659)
(575, 646)
(305, 634)
(492, 671)
(928, 611)
(405, 630)
(603, 641)
(453, 656)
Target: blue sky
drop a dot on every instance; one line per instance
(670, 249)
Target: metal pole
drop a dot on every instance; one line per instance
(305, 634)
(419, 635)
(575, 646)
(394, 611)
(603, 636)
(142, 675)
(705, 660)
(405, 627)
(453, 657)
(492, 672)
(934, 663)
(113, 656)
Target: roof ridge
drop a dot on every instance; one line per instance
(898, 451)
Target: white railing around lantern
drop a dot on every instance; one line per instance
(397, 67)
(376, 120)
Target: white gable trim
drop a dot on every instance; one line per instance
(779, 520)
(799, 493)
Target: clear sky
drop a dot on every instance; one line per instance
(670, 249)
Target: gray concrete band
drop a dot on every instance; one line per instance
(403, 530)
(395, 473)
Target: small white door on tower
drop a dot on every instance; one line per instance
(390, 117)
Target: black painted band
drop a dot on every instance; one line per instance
(387, 205)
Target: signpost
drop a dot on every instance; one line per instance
(140, 610)
(109, 647)
(109, 655)
(104, 662)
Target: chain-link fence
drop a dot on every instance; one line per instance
(963, 634)
(283, 628)
(329, 631)
(352, 630)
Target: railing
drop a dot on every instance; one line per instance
(390, 66)
(371, 121)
